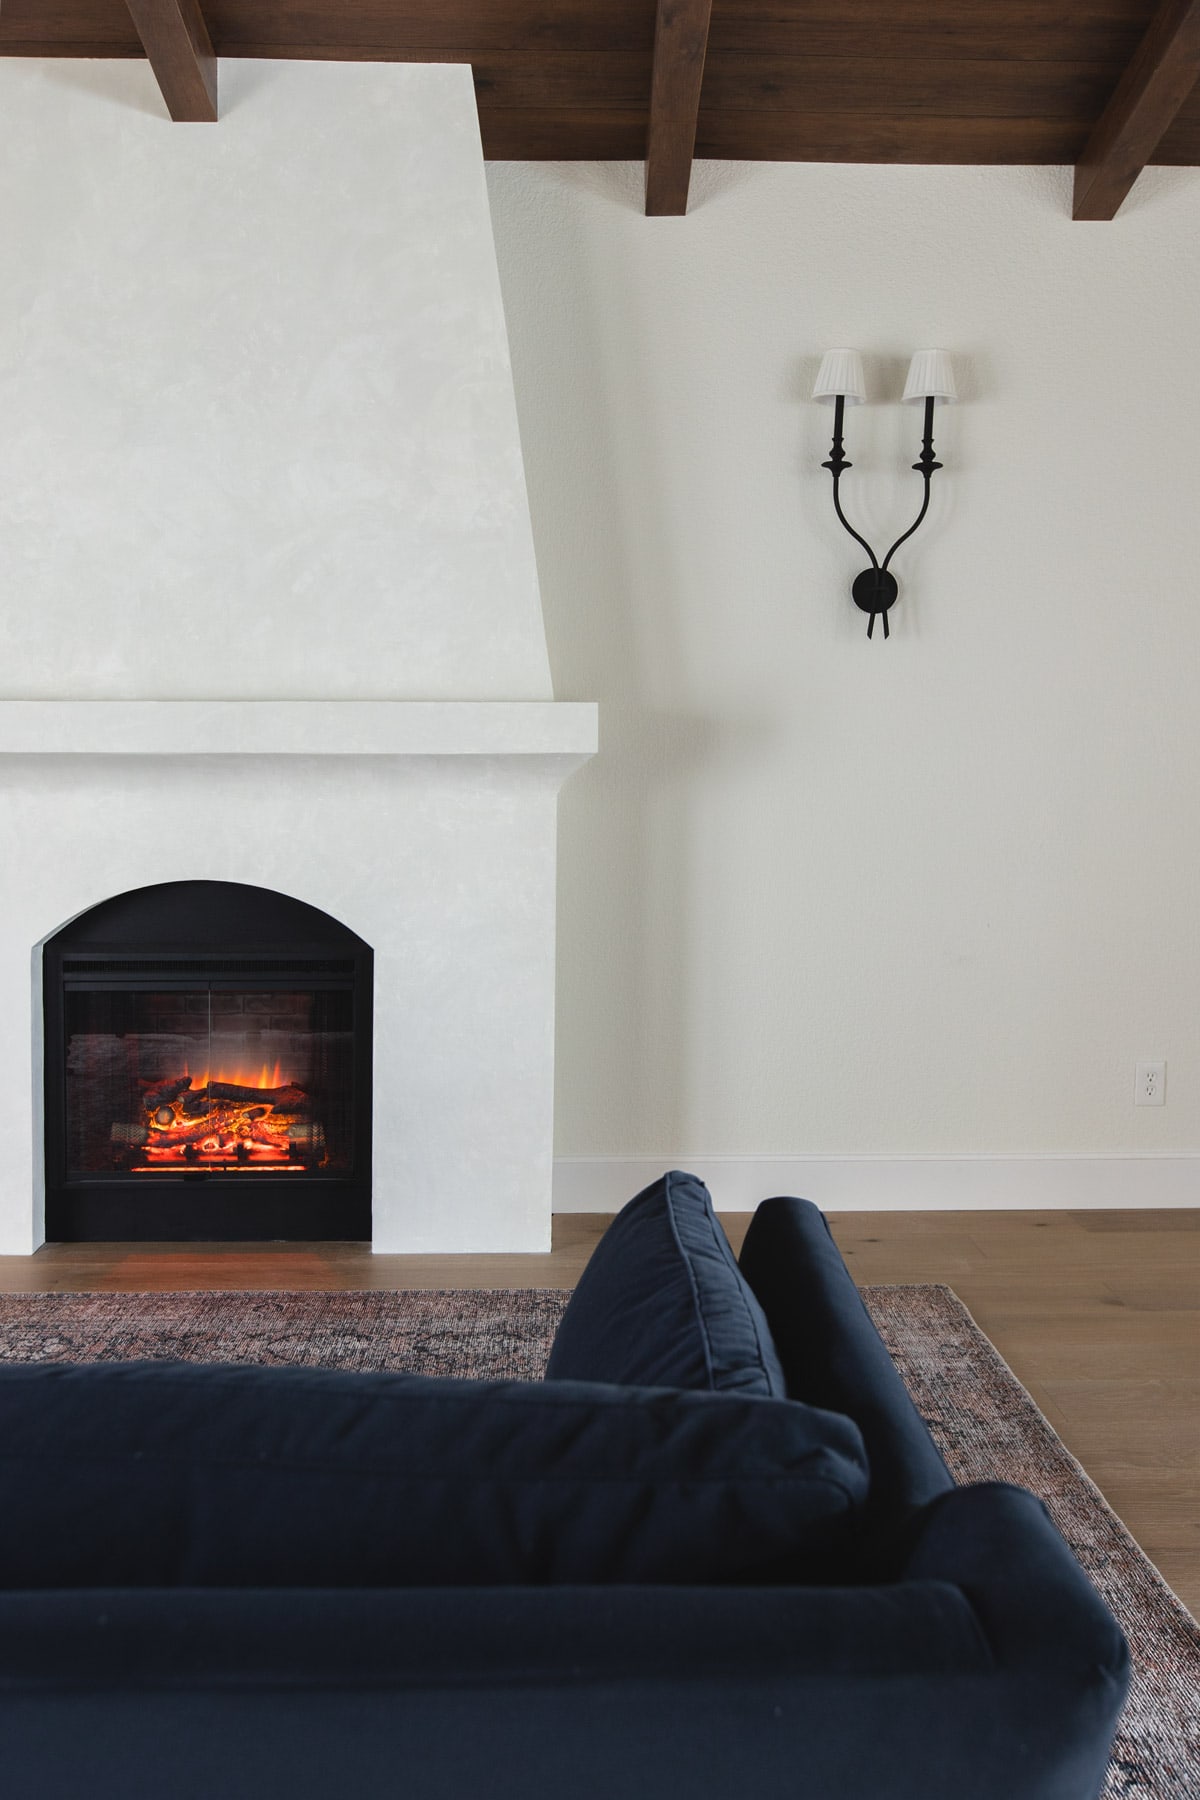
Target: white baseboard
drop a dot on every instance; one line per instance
(602, 1184)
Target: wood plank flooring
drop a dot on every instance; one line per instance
(1097, 1313)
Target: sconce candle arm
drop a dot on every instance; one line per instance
(837, 507)
(837, 466)
(875, 590)
(925, 466)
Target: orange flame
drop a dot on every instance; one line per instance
(266, 1077)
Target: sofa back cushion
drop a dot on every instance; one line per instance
(662, 1303)
(162, 1474)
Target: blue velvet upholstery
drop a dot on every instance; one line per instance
(985, 1667)
(662, 1303)
(989, 1672)
(833, 1356)
(182, 1474)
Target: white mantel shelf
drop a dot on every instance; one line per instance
(522, 728)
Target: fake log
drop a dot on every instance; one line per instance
(307, 1140)
(283, 1099)
(165, 1093)
(129, 1135)
(191, 1132)
(224, 1122)
(274, 1140)
(227, 1112)
(199, 1100)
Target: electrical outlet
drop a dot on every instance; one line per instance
(1150, 1084)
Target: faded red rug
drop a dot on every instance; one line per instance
(985, 1424)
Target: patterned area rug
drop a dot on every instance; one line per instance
(986, 1426)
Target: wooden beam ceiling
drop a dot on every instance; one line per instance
(905, 81)
(1155, 85)
(680, 43)
(177, 45)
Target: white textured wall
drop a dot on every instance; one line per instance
(819, 895)
(257, 435)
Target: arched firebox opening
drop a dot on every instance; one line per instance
(207, 1069)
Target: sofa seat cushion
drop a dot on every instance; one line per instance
(662, 1303)
(161, 1474)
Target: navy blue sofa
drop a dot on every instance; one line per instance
(961, 1655)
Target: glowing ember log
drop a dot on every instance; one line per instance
(276, 1138)
(194, 1131)
(224, 1123)
(165, 1093)
(196, 1102)
(283, 1099)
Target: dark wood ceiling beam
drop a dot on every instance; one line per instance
(1147, 97)
(179, 50)
(680, 40)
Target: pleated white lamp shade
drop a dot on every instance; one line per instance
(930, 376)
(841, 373)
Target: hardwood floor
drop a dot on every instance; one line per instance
(1097, 1313)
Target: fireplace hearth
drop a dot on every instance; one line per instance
(207, 1069)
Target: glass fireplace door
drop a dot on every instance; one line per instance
(208, 1079)
(207, 1069)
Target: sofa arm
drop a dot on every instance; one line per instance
(1057, 1647)
(999, 1545)
(834, 1358)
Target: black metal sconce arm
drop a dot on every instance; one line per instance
(875, 590)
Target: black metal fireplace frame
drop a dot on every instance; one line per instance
(228, 936)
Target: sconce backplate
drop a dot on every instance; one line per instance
(875, 590)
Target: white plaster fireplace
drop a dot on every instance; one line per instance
(436, 823)
(268, 601)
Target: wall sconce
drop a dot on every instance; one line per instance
(930, 378)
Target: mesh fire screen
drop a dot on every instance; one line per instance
(208, 1077)
(207, 1069)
